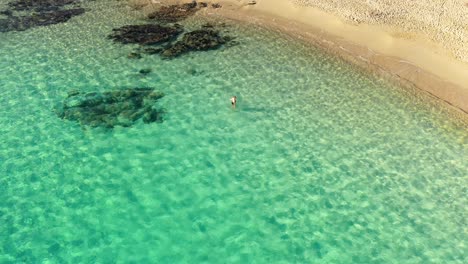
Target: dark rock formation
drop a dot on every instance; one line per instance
(134, 55)
(144, 71)
(26, 14)
(195, 72)
(6, 13)
(39, 5)
(147, 34)
(20, 23)
(198, 40)
(216, 5)
(174, 13)
(114, 108)
(152, 51)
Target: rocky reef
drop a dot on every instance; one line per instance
(197, 40)
(147, 34)
(162, 36)
(152, 35)
(112, 108)
(21, 23)
(26, 14)
(39, 5)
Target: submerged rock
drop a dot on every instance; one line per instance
(145, 71)
(151, 35)
(195, 72)
(174, 13)
(134, 55)
(114, 108)
(6, 13)
(198, 40)
(20, 23)
(147, 34)
(152, 51)
(26, 14)
(39, 5)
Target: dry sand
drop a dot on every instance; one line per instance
(442, 21)
(421, 44)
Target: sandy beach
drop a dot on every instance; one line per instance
(422, 45)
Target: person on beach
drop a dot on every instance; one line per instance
(233, 101)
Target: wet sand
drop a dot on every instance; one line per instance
(417, 61)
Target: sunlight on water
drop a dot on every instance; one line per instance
(319, 162)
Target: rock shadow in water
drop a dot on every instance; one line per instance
(113, 108)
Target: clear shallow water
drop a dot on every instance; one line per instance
(319, 163)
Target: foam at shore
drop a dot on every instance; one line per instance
(414, 61)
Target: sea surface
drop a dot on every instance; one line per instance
(318, 163)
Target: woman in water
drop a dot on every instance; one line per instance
(233, 101)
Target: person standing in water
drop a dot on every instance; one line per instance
(233, 101)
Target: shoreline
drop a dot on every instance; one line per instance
(419, 62)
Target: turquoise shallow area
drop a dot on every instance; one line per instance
(319, 163)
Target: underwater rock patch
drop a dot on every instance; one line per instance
(163, 39)
(147, 34)
(145, 71)
(21, 23)
(175, 13)
(134, 55)
(152, 51)
(197, 40)
(6, 13)
(113, 108)
(39, 5)
(35, 13)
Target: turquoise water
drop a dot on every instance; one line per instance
(319, 163)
